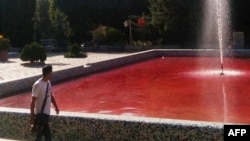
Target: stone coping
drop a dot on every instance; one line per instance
(91, 127)
(216, 125)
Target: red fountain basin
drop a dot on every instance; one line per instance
(189, 88)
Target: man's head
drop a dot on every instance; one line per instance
(47, 71)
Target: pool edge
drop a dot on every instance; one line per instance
(109, 127)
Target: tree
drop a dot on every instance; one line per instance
(113, 36)
(159, 12)
(174, 18)
(182, 20)
(41, 20)
(60, 26)
(98, 12)
(51, 22)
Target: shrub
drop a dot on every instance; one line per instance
(75, 52)
(33, 52)
(75, 49)
(4, 44)
(80, 55)
(113, 35)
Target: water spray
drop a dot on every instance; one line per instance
(220, 33)
(222, 73)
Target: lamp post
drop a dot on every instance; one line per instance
(130, 17)
(127, 23)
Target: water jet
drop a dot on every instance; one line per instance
(216, 27)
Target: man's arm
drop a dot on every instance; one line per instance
(54, 103)
(32, 107)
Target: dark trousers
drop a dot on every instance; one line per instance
(46, 131)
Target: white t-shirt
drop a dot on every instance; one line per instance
(39, 91)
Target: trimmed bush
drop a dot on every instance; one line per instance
(80, 55)
(33, 52)
(75, 52)
(75, 49)
(4, 44)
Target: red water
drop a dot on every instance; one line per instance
(188, 88)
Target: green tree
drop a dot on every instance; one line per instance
(4, 44)
(174, 18)
(41, 20)
(113, 36)
(51, 22)
(159, 12)
(60, 26)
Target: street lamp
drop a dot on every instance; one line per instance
(127, 23)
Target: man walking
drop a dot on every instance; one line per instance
(41, 101)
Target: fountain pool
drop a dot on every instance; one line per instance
(164, 87)
(163, 95)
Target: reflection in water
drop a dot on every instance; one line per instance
(225, 107)
(224, 82)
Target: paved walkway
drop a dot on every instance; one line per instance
(15, 69)
(1, 139)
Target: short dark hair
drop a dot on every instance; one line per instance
(47, 69)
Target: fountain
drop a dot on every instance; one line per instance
(187, 91)
(216, 26)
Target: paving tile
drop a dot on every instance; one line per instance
(15, 68)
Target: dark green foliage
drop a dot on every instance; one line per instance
(75, 49)
(75, 52)
(41, 20)
(51, 22)
(113, 35)
(183, 18)
(60, 26)
(33, 52)
(4, 44)
(177, 21)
